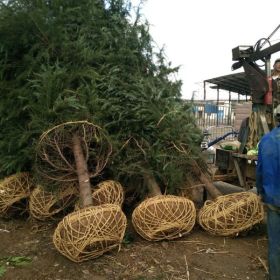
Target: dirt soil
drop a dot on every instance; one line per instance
(196, 256)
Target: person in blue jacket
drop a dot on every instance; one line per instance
(268, 186)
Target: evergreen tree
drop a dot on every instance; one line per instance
(73, 60)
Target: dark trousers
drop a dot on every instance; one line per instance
(273, 228)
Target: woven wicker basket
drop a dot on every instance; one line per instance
(90, 232)
(45, 204)
(164, 217)
(13, 191)
(230, 214)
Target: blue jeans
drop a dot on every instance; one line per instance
(273, 228)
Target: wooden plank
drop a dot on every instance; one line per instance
(239, 173)
(224, 177)
(264, 123)
(244, 156)
(244, 140)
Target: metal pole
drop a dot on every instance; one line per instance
(268, 75)
(218, 98)
(268, 67)
(268, 38)
(229, 108)
(204, 90)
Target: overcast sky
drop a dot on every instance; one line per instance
(200, 35)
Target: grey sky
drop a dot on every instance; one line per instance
(199, 35)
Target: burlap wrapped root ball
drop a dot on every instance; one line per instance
(164, 217)
(231, 214)
(107, 192)
(45, 204)
(90, 232)
(13, 192)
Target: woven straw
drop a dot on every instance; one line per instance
(55, 160)
(45, 204)
(90, 232)
(230, 214)
(164, 217)
(13, 190)
(106, 192)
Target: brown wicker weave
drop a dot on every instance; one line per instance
(106, 192)
(90, 232)
(45, 204)
(13, 190)
(55, 156)
(164, 217)
(230, 214)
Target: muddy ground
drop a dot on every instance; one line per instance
(196, 256)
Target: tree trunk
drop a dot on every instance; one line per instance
(152, 185)
(226, 188)
(208, 184)
(82, 172)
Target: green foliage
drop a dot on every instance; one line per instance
(87, 60)
(154, 129)
(2, 270)
(15, 261)
(53, 55)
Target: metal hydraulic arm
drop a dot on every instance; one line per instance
(259, 80)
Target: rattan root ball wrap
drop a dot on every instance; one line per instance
(13, 189)
(108, 192)
(164, 217)
(45, 204)
(230, 214)
(90, 232)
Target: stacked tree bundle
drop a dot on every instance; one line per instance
(67, 69)
(73, 78)
(98, 103)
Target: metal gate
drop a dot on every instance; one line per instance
(217, 118)
(210, 114)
